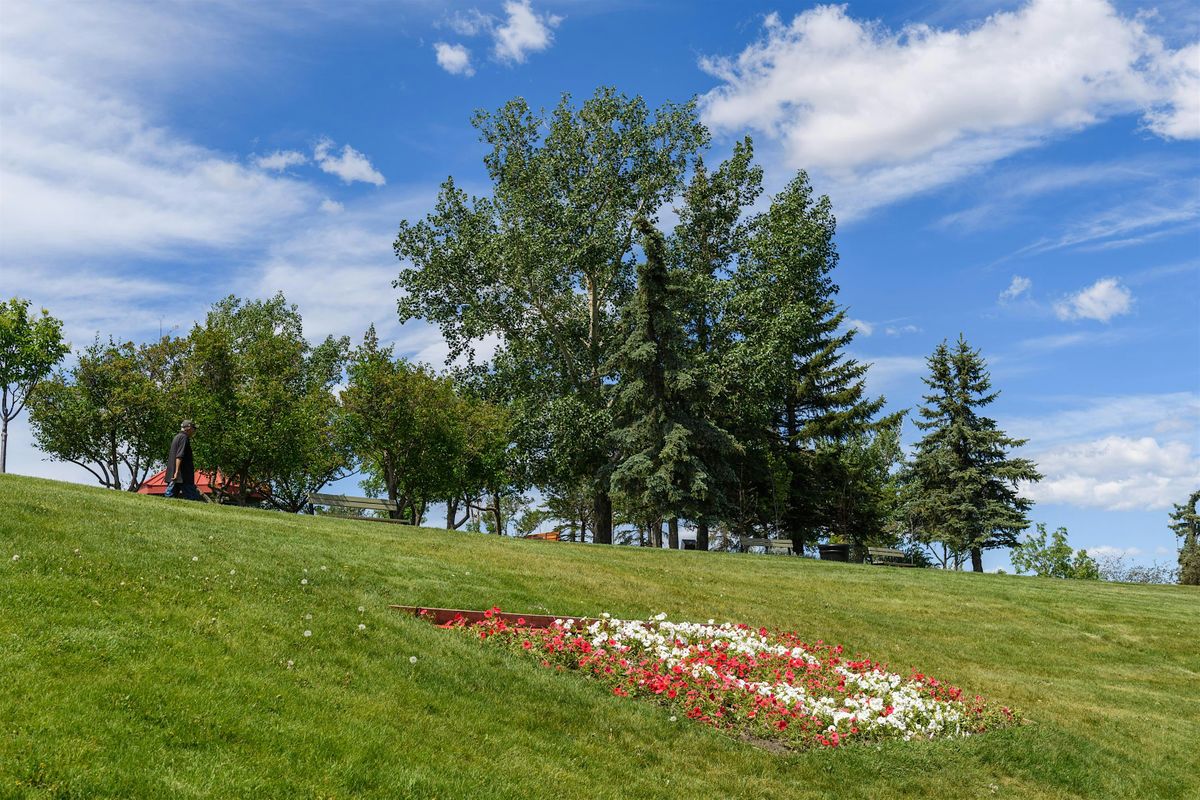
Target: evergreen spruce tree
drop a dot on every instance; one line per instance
(673, 459)
(963, 481)
(790, 360)
(1185, 521)
(705, 247)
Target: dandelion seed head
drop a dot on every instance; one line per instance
(412, 659)
(16, 557)
(361, 609)
(195, 558)
(308, 616)
(308, 633)
(362, 627)
(304, 581)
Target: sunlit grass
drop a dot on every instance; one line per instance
(156, 649)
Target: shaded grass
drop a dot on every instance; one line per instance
(132, 670)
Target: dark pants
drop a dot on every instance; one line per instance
(187, 491)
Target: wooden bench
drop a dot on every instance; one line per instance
(888, 557)
(549, 536)
(359, 504)
(784, 545)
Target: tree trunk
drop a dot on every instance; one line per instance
(976, 559)
(3, 443)
(673, 533)
(702, 535)
(451, 511)
(656, 534)
(602, 532)
(496, 512)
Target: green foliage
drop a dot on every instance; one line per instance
(261, 397)
(30, 347)
(1054, 559)
(1185, 522)
(114, 412)
(800, 397)
(674, 460)
(962, 483)
(546, 261)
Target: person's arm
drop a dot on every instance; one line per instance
(178, 465)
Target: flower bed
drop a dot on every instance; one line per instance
(748, 681)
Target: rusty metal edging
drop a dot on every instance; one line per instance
(440, 616)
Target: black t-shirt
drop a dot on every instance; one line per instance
(181, 448)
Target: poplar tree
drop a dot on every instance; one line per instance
(545, 262)
(964, 482)
(30, 347)
(674, 459)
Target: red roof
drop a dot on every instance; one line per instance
(157, 484)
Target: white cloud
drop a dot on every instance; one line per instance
(350, 166)
(862, 326)
(85, 168)
(454, 58)
(1179, 118)
(886, 114)
(470, 23)
(332, 206)
(1117, 473)
(1019, 286)
(523, 32)
(281, 160)
(1093, 418)
(901, 330)
(1111, 551)
(1103, 300)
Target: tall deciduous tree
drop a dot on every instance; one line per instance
(401, 422)
(674, 460)
(1054, 559)
(114, 412)
(963, 480)
(544, 264)
(256, 388)
(30, 347)
(1185, 522)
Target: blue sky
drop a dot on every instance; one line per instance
(1023, 173)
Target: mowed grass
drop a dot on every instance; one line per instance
(144, 649)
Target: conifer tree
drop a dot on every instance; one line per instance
(800, 388)
(1185, 521)
(673, 457)
(705, 247)
(963, 482)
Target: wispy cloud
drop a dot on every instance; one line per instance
(1019, 286)
(281, 160)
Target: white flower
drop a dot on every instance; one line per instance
(323, 568)
(195, 558)
(674, 719)
(308, 633)
(362, 627)
(304, 581)
(660, 617)
(16, 558)
(76, 551)
(232, 571)
(361, 609)
(412, 659)
(290, 663)
(308, 616)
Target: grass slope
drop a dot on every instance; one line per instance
(144, 648)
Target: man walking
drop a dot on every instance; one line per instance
(181, 473)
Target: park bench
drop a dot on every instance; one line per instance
(888, 557)
(358, 504)
(784, 545)
(549, 536)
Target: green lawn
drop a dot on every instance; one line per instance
(145, 648)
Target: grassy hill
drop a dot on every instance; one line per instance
(145, 649)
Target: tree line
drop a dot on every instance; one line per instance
(646, 375)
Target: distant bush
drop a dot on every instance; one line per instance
(1119, 569)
